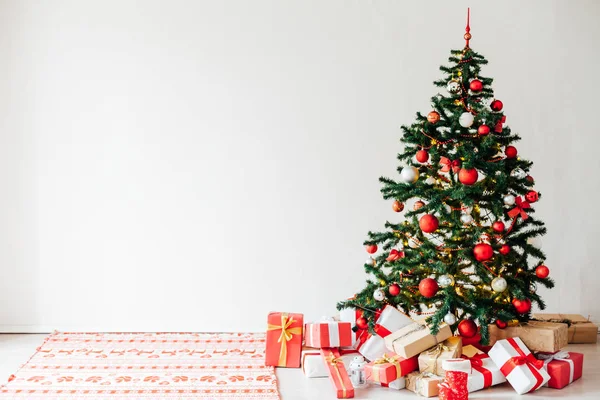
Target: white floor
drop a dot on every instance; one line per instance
(15, 349)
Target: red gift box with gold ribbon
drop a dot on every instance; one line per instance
(284, 340)
(390, 367)
(337, 373)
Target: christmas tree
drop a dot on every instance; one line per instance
(463, 254)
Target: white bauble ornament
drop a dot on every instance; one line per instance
(466, 219)
(509, 200)
(533, 287)
(446, 280)
(450, 319)
(499, 284)
(430, 180)
(466, 119)
(413, 243)
(518, 173)
(409, 174)
(448, 208)
(370, 261)
(453, 87)
(379, 295)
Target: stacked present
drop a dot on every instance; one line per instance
(403, 353)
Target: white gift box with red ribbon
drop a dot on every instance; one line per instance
(314, 367)
(522, 370)
(372, 346)
(484, 372)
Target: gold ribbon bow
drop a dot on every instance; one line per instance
(378, 365)
(286, 335)
(436, 351)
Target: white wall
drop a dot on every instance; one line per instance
(192, 165)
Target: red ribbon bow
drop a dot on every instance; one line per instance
(523, 359)
(395, 255)
(477, 365)
(446, 163)
(520, 208)
(498, 127)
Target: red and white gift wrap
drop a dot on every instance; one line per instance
(455, 386)
(484, 372)
(390, 367)
(284, 340)
(390, 320)
(398, 384)
(563, 367)
(313, 365)
(338, 373)
(328, 333)
(522, 370)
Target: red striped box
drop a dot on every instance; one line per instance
(328, 334)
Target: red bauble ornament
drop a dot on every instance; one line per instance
(418, 205)
(467, 328)
(468, 176)
(476, 85)
(530, 178)
(510, 151)
(496, 105)
(433, 117)
(504, 250)
(428, 287)
(371, 248)
(532, 196)
(522, 306)
(501, 324)
(542, 271)
(429, 223)
(362, 323)
(483, 252)
(422, 156)
(397, 206)
(498, 226)
(483, 130)
(394, 289)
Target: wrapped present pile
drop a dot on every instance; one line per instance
(401, 353)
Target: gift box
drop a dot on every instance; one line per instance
(522, 370)
(313, 365)
(431, 360)
(484, 372)
(476, 342)
(581, 329)
(423, 383)
(455, 385)
(372, 346)
(563, 367)
(389, 368)
(328, 333)
(537, 335)
(415, 338)
(398, 384)
(338, 373)
(284, 340)
(351, 315)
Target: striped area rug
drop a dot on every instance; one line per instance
(145, 366)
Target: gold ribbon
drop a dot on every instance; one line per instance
(286, 335)
(378, 365)
(334, 361)
(437, 351)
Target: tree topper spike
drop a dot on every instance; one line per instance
(467, 35)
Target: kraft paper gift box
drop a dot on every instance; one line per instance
(338, 373)
(415, 338)
(328, 333)
(397, 384)
(484, 372)
(522, 370)
(563, 367)
(581, 329)
(431, 360)
(372, 346)
(389, 368)
(313, 365)
(284, 340)
(423, 383)
(538, 336)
